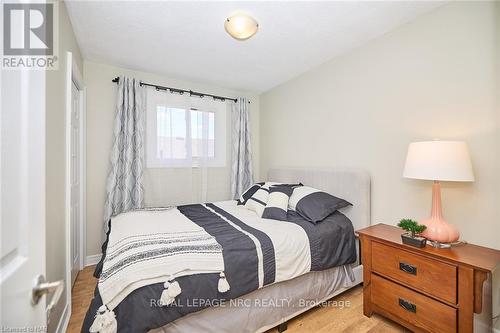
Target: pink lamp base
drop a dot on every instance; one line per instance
(437, 228)
(440, 231)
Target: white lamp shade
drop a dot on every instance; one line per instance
(439, 160)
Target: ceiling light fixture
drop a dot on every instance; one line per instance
(241, 26)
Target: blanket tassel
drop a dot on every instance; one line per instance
(223, 284)
(172, 289)
(104, 322)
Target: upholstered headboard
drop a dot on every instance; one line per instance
(352, 185)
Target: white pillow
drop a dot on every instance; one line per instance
(258, 200)
(277, 203)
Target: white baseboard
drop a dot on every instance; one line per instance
(92, 260)
(64, 321)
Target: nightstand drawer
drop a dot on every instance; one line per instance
(433, 277)
(412, 307)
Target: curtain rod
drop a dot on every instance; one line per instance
(181, 91)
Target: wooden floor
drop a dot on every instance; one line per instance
(320, 319)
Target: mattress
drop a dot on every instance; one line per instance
(272, 305)
(256, 252)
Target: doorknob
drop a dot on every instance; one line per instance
(41, 287)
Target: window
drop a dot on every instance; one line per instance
(203, 121)
(185, 131)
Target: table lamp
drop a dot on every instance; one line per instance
(439, 161)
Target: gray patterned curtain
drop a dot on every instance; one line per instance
(124, 184)
(241, 152)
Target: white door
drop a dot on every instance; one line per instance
(75, 221)
(22, 198)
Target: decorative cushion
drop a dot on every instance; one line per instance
(277, 204)
(314, 205)
(258, 200)
(248, 193)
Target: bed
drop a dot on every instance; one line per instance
(287, 277)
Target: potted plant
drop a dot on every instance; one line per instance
(413, 230)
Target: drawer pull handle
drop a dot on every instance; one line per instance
(408, 306)
(407, 268)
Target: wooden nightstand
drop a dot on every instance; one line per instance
(425, 290)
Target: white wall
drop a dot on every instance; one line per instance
(162, 186)
(56, 160)
(431, 78)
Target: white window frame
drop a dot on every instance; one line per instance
(172, 100)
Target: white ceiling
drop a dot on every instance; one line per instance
(187, 40)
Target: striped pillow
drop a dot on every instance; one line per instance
(277, 204)
(258, 200)
(248, 193)
(314, 205)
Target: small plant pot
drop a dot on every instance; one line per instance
(416, 241)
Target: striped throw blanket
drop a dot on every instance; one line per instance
(151, 246)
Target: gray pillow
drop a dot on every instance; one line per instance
(314, 205)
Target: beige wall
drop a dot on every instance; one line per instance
(431, 78)
(55, 160)
(162, 186)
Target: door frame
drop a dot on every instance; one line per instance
(73, 75)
